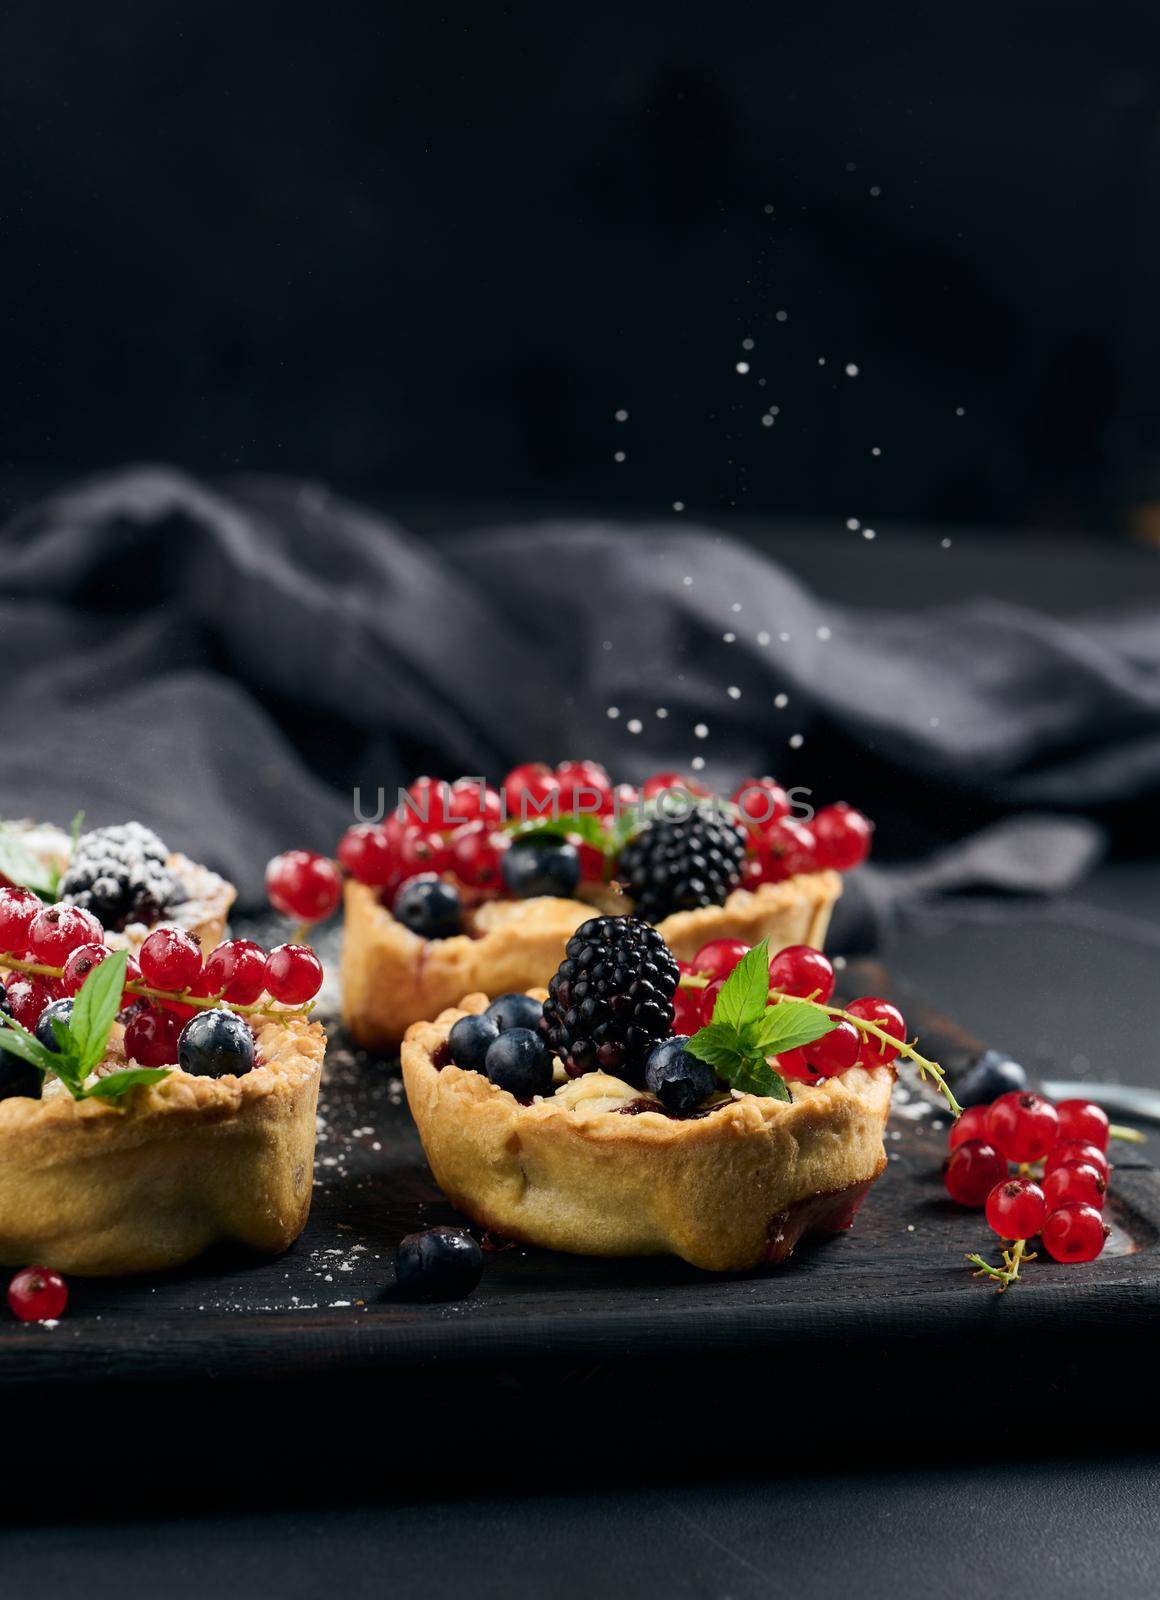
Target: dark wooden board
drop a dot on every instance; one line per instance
(326, 1308)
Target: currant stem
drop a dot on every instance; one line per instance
(1008, 1273)
(38, 969)
(1126, 1135)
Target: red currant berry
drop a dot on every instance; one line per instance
(1023, 1125)
(802, 971)
(584, 785)
(875, 1051)
(1083, 1122)
(199, 989)
(170, 959)
(718, 958)
(303, 885)
(57, 931)
(236, 970)
(835, 1051)
(151, 1037)
(593, 862)
(293, 974)
(843, 836)
(686, 1011)
(1076, 1182)
(17, 909)
(709, 1000)
(84, 959)
(462, 802)
(761, 801)
(971, 1125)
(37, 1294)
(1062, 1154)
(1075, 1233)
(368, 853)
(531, 791)
(786, 848)
(973, 1170)
(794, 1067)
(660, 781)
(475, 855)
(1016, 1208)
(752, 873)
(426, 804)
(422, 850)
(27, 997)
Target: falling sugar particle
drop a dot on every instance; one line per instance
(875, 190)
(851, 370)
(743, 367)
(687, 581)
(606, 644)
(869, 533)
(612, 713)
(960, 411)
(701, 730)
(634, 725)
(619, 455)
(796, 741)
(934, 722)
(784, 637)
(733, 692)
(698, 763)
(824, 633)
(763, 638)
(768, 210)
(678, 505)
(781, 701)
(853, 524)
(729, 638)
(747, 344)
(821, 361)
(875, 451)
(767, 421)
(736, 606)
(662, 712)
(946, 544)
(622, 416)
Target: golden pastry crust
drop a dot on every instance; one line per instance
(93, 1188)
(391, 977)
(572, 1172)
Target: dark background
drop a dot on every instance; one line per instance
(436, 248)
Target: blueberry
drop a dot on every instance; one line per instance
(19, 1080)
(438, 1264)
(429, 907)
(58, 1010)
(679, 1081)
(215, 1043)
(520, 1062)
(469, 1039)
(515, 1011)
(4, 1006)
(987, 1077)
(541, 866)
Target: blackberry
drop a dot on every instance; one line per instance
(681, 864)
(119, 874)
(612, 998)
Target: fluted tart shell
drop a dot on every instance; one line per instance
(727, 1190)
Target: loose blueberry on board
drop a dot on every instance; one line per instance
(429, 907)
(515, 1011)
(541, 866)
(37, 1294)
(438, 1264)
(214, 1044)
(679, 1081)
(520, 1062)
(989, 1076)
(469, 1039)
(58, 1011)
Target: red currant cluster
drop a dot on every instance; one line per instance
(1062, 1204)
(802, 973)
(455, 830)
(51, 950)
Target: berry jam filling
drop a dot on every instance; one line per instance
(568, 832)
(634, 1108)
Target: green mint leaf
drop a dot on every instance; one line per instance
(789, 1025)
(719, 1046)
(20, 866)
(583, 825)
(745, 994)
(95, 1010)
(758, 1077)
(119, 1083)
(19, 1042)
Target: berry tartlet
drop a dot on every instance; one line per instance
(574, 1119)
(152, 1102)
(466, 889)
